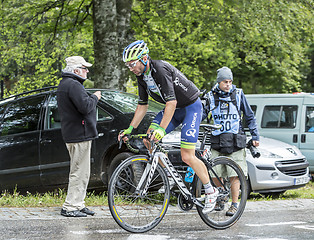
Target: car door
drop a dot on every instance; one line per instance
(306, 143)
(19, 135)
(54, 156)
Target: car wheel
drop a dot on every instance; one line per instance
(116, 161)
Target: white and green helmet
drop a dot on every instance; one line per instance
(134, 51)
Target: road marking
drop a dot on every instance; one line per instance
(307, 227)
(97, 231)
(145, 237)
(131, 237)
(274, 224)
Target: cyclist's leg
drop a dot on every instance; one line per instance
(172, 125)
(189, 136)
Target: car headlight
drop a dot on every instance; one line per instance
(267, 154)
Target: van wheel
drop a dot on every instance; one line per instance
(116, 161)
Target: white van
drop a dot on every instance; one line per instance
(287, 117)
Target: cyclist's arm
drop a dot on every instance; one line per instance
(168, 113)
(139, 115)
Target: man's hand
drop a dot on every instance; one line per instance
(255, 143)
(98, 94)
(158, 134)
(124, 132)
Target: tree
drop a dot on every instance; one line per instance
(37, 35)
(111, 35)
(264, 42)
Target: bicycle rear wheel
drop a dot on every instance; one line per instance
(226, 176)
(132, 210)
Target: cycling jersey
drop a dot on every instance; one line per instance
(164, 83)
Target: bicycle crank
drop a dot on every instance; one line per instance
(184, 204)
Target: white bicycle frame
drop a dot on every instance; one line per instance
(150, 170)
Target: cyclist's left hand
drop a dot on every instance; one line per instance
(158, 134)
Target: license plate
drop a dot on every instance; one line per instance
(301, 180)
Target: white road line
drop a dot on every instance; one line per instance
(145, 237)
(307, 227)
(274, 224)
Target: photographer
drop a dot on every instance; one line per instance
(226, 102)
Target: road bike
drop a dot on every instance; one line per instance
(137, 204)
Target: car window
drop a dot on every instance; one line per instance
(22, 116)
(53, 120)
(2, 109)
(309, 125)
(279, 116)
(126, 102)
(102, 115)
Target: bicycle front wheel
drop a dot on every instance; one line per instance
(229, 179)
(133, 210)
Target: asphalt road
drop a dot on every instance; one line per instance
(263, 220)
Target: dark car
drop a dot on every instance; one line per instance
(33, 155)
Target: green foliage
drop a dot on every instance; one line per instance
(264, 43)
(267, 44)
(36, 37)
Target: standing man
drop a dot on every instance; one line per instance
(77, 111)
(226, 102)
(167, 85)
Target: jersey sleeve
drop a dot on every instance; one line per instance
(142, 94)
(167, 84)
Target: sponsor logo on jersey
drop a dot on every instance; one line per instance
(177, 83)
(194, 120)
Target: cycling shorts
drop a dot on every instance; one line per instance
(190, 117)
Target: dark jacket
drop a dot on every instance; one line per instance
(77, 109)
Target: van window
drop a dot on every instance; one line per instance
(279, 116)
(309, 125)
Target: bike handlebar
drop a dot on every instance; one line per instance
(140, 136)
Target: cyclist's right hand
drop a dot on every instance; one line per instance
(125, 132)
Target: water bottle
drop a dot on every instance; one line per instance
(189, 175)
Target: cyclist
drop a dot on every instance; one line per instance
(167, 85)
(226, 102)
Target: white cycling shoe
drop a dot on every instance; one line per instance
(171, 185)
(210, 201)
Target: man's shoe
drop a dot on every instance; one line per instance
(231, 211)
(171, 185)
(210, 201)
(87, 211)
(75, 213)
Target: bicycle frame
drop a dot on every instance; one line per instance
(149, 171)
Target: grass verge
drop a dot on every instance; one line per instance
(57, 198)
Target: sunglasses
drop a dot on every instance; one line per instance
(132, 64)
(85, 68)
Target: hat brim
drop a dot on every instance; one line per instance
(87, 64)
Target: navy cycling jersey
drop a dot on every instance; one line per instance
(164, 83)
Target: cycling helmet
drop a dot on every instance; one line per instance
(134, 51)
